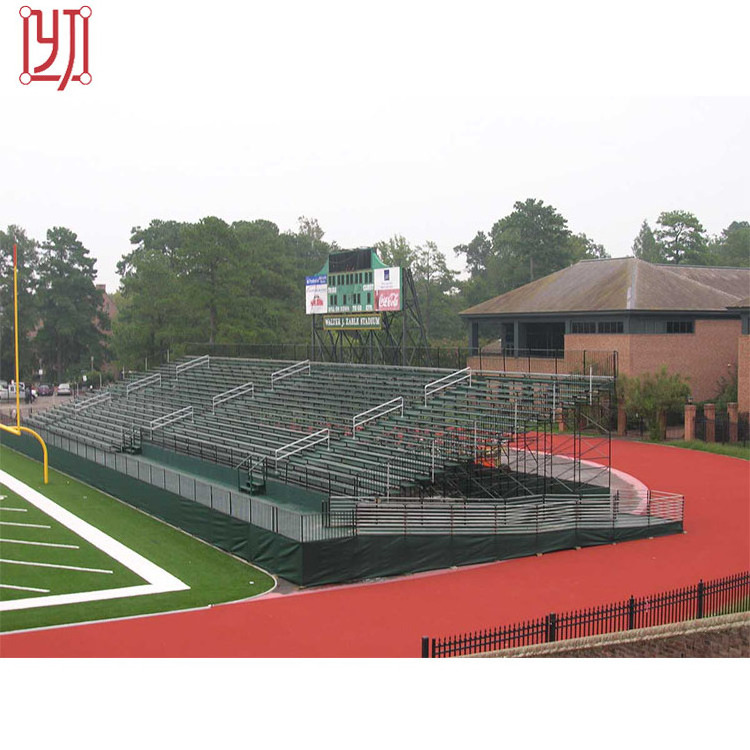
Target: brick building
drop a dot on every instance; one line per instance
(743, 357)
(690, 319)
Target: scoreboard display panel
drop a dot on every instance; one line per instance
(352, 282)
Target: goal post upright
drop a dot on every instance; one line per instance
(19, 429)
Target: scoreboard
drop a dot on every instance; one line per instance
(352, 289)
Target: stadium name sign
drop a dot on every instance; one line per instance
(351, 322)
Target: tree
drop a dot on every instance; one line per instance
(435, 283)
(531, 242)
(681, 238)
(210, 260)
(70, 305)
(645, 246)
(436, 287)
(28, 312)
(477, 253)
(396, 251)
(732, 247)
(652, 395)
(584, 248)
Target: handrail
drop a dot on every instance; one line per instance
(356, 421)
(174, 416)
(321, 435)
(291, 370)
(244, 461)
(93, 401)
(240, 390)
(204, 360)
(142, 383)
(434, 387)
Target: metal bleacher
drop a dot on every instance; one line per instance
(302, 424)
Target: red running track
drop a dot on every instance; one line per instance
(388, 619)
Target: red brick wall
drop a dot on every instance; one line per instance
(703, 355)
(743, 374)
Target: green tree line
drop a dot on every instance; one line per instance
(211, 281)
(61, 322)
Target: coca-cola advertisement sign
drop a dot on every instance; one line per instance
(388, 300)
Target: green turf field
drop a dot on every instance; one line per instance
(31, 543)
(213, 576)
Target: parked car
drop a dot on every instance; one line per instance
(64, 389)
(45, 390)
(9, 391)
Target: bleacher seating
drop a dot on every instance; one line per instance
(392, 454)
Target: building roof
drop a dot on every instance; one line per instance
(621, 285)
(742, 304)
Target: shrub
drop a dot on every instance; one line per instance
(652, 395)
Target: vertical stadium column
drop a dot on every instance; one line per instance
(473, 337)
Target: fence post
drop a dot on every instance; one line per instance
(425, 647)
(709, 411)
(622, 419)
(732, 410)
(551, 627)
(699, 613)
(631, 613)
(690, 421)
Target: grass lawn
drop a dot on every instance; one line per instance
(725, 449)
(213, 576)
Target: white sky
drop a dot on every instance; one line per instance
(422, 119)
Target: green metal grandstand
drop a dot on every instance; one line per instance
(324, 453)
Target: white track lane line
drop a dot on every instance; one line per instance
(54, 565)
(159, 580)
(25, 525)
(23, 588)
(39, 544)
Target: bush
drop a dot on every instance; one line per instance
(651, 396)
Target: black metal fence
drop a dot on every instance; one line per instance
(443, 357)
(720, 596)
(722, 429)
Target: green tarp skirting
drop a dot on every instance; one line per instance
(331, 561)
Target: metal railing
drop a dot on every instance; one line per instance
(240, 390)
(536, 514)
(142, 383)
(308, 441)
(92, 401)
(174, 416)
(289, 371)
(447, 382)
(704, 599)
(204, 360)
(387, 407)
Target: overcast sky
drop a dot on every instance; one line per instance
(422, 119)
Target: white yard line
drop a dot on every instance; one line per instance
(54, 565)
(39, 544)
(26, 525)
(17, 510)
(159, 581)
(23, 588)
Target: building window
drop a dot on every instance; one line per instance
(610, 326)
(679, 326)
(583, 326)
